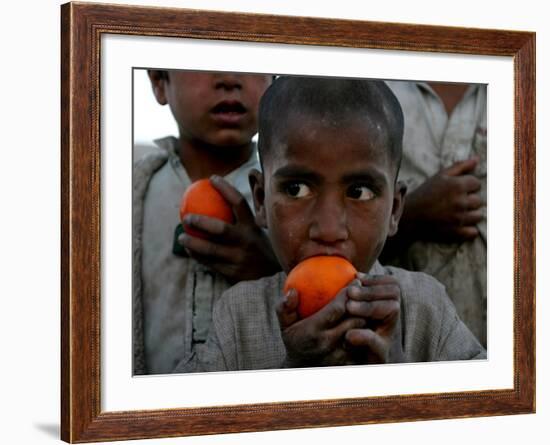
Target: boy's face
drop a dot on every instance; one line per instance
(327, 190)
(219, 109)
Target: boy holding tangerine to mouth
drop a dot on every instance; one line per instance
(330, 151)
(178, 276)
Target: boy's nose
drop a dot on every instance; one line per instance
(329, 223)
(228, 81)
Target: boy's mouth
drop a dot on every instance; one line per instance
(316, 253)
(228, 112)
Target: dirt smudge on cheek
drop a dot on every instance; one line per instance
(288, 221)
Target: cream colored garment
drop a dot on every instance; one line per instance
(177, 292)
(432, 142)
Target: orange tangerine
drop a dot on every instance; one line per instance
(203, 198)
(318, 279)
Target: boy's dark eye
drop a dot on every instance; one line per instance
(297, 190)
(360, 192)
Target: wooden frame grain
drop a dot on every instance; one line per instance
(82, 25)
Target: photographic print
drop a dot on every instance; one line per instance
(197, 234)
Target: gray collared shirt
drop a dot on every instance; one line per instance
(245, 332)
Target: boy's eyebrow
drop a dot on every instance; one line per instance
(293, 171)
(368, 175)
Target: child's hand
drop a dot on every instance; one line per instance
(317, 340)
(447, 206)
(377, 301)
(240, 251)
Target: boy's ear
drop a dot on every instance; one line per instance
(159, 80)
(397, 207)
(256, 181)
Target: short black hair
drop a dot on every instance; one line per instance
(336, 98)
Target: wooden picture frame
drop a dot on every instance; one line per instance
(82, 25)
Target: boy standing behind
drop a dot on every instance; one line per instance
(174, 288)
(444, 226)
(330, 152)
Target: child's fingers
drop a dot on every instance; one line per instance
(374, 288)
(207, 250)
(473, 201)
(472, 217)
(213, 227)
(462, 167)
(238, 202)
(468, 183)
(331, 314)
(373, 292)
(467, 232)
(374, 310)
(376, 347)
(378, 299)
(332, 342)
(335, 335)
(366, 279)
(287, 309)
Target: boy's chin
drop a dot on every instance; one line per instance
(230, 140)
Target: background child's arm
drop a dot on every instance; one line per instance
(445, 208)
(240, 251)
(317, 340)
